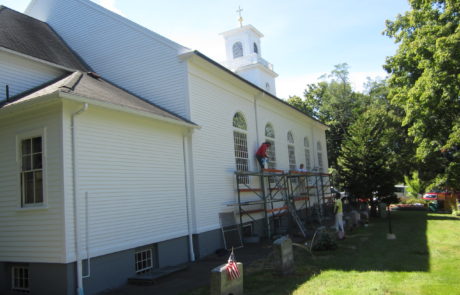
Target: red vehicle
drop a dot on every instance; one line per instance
(430, 196)
(440, 195)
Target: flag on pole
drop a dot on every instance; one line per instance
(232, 267)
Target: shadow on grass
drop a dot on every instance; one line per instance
(446, 217)
(366, 249)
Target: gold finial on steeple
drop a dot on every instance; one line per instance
(240, 19)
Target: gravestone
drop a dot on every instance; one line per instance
(355, 218)
(283, 256)
(221, 283)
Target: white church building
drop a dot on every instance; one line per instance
(119, 146)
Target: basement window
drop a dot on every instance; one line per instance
(143, 260)
(20, 279)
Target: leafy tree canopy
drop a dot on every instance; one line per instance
(425, 82)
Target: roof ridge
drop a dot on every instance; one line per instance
(74, 79)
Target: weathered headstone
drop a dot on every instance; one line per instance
(283, 256)
(221, 283)
(355, 218)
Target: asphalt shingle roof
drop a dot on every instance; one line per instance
(93, 87)
(29, 36)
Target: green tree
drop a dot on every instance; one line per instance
(415, 186)
(372, 156)
(425, 82)
(333, 102)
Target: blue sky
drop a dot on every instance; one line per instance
(303, 38)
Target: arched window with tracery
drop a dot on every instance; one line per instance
(240, 141)
(270, 137)
(237, 49)
(320, 157)
(306, 144)
(291, 151)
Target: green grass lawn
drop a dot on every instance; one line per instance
(424, 259)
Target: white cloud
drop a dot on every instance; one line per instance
(110, 5)
(294, 85)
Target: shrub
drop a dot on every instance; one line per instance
(415, 201)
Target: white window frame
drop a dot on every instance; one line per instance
(240, 144)
(21, 283)
(320, 157)
(291, 151)
(145, 263)
(237, 49)
(272, 149)
(19, 160)
(306, 144)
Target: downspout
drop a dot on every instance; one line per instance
(80, 290)
(188, 197)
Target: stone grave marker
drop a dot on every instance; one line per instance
(284, 256)
(221, 283)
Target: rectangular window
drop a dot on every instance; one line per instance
(241, 154)
(271, 154)
(31, 151)
(320, 162)
(20, 278)
(143, 260)
(292, 164)
(307, 160)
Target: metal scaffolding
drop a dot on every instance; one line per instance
(274, 193)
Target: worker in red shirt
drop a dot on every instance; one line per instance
(261, 154)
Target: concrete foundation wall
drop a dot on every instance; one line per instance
(207, 243)
(108, 271)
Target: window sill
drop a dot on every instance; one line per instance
(37, 208)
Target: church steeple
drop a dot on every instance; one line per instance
(243, 52)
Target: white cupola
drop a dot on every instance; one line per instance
(243, 52)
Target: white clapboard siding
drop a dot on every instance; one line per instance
(214, 101)
(119, 50)
(133, 171)
(22, 74)
(31, 235)
(213, 107)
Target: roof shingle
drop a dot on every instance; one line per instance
(29, 36)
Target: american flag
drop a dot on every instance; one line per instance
(232, 267)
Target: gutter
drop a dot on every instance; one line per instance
(125, 109)
(79, 290)
(190, 54)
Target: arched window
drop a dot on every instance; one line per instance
(237, 50)
(270, 137)
(239, 121)
(240, 141)
(320, 157)
(306, 144)
(256, 49)
(267, 86)
(291, 151)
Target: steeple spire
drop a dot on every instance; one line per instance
(240, 19)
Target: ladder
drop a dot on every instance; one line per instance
(298, 221)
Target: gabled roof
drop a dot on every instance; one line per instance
(26, 35)
(89, 87)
